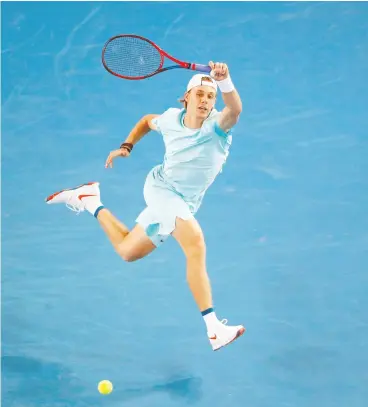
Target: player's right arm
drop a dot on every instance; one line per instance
(144, 125)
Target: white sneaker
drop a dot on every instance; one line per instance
(73, 197)
(224, 335)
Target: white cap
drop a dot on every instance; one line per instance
(197, 81)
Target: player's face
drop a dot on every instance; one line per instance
(200, 101)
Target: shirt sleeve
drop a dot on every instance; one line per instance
(213, 126)
(156, 121)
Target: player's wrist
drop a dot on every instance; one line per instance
(226, 85)
(127, 146)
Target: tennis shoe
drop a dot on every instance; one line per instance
(73, 197)
(224, 335)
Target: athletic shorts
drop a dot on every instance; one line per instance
(164, 205)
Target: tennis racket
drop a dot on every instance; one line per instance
(134, 57)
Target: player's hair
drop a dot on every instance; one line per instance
(182, 101)
(204, 79)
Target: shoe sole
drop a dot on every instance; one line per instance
(51, 197)
(238, 335)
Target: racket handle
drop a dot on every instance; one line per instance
(201, 68)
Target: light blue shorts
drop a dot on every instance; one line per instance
(164, 205)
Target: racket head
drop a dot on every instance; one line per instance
(133, 57)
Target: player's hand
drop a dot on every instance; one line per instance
(220, 71)
(121, 152)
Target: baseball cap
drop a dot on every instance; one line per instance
(197, 80)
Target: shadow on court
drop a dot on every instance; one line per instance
(188, 389)
(34, 382)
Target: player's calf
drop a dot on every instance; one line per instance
(130, 245)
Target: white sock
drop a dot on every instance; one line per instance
(211, 321)
(92, 203)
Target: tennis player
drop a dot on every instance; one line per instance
(197, 140)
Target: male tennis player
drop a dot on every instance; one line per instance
(197, 140)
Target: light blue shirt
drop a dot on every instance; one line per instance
(193, 157)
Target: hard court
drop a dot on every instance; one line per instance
(286, 222)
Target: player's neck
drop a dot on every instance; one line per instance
(193, 122)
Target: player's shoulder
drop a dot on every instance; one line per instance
(173, 111)
(166, 119)
(211, 124)
(172, 114)
(213, 115)
(212, 118)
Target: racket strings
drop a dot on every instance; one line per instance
(132, 57)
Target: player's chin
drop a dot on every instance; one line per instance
(202, 112)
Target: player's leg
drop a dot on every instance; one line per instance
(130, 245)
(189, 235)
(135, 244)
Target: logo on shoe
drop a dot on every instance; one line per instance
(84, 196)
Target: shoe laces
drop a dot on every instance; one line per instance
(73, 207)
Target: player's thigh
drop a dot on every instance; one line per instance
(188, 233)
(136, 244)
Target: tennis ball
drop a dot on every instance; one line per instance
(105, 387)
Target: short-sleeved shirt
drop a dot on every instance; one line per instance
(193, 157)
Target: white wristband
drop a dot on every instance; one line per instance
(226, 85)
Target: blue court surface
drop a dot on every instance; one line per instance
(286, 222)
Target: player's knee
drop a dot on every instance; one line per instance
(196, 246)
(127, 255)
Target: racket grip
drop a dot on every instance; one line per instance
(201, 68)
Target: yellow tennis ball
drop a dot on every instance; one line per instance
(105, 387)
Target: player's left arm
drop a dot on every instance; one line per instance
(233, 104)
